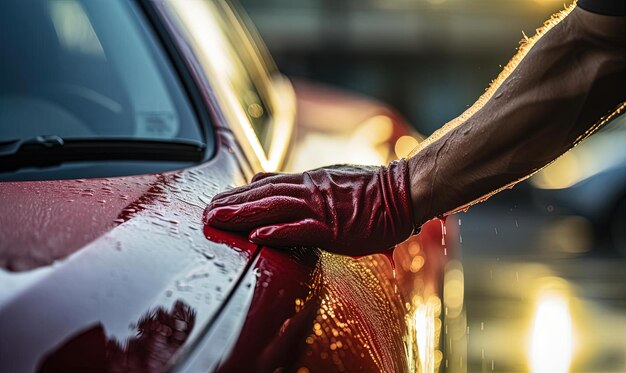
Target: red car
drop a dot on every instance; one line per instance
(119, 121)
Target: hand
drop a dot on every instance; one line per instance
(350, 210)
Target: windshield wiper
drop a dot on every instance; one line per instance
(46, 151)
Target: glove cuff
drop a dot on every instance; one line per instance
(398, 194)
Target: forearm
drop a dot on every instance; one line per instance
(549, 97)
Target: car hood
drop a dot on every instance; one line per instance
(104, 263)
(47, 221)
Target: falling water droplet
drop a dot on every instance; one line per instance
(183, 286)
(443, 231)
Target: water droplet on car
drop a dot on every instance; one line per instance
(183, 285)
(220, 264)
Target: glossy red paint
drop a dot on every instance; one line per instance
(50, 220)
(148, 254)
(331, 313)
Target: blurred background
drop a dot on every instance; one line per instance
(542, 264)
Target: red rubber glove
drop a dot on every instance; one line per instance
(350, 210)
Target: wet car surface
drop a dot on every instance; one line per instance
(118, 273)
(151, 256)
(148, 261)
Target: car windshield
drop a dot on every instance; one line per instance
(88, 70)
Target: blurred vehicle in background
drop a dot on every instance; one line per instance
(119, 120)
(586, 187)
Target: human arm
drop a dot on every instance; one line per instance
(561, 86)
(550, 96)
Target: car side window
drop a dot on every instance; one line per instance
(227, 51)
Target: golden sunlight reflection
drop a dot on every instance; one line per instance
(404, 145)
(453, 289)
(427, 329)
(552, 335)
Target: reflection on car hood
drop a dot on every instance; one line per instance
(108, 258)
